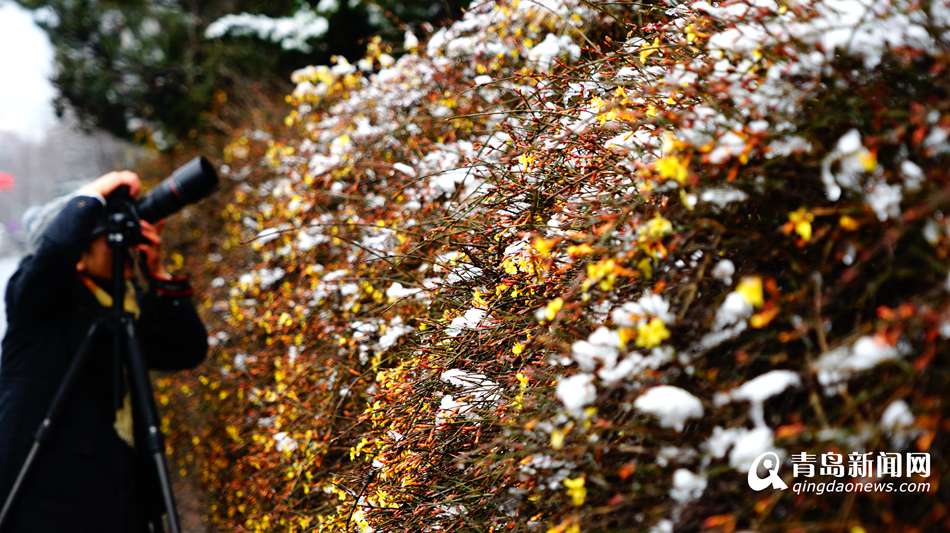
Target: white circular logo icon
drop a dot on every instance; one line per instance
(770, 462)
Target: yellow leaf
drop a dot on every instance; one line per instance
(579, 250)
(625, 335)
(762, 318)
(848, 223)
(568, 526)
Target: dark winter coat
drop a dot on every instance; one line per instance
(86, 478)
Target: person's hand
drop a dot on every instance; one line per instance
(105, 184)
(151, 250)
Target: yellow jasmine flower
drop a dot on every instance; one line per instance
(522, 381)
(478, 299)
(691, 33)
(648, 51)
(341, 142)
(525, 160)
(673, 167)
(801, 219)
(657, 228)
(602, 272)
(652, 334)
(576, 490)
(751, 289)
(621, 93)
(522, 387)
(553, 308)
(543, 246)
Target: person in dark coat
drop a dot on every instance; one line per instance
(87, 476)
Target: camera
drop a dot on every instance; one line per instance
(189, 184)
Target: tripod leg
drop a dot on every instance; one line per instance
(52, 415)
(141, 388)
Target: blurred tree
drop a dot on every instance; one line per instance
(151, 71)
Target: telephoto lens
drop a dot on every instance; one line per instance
(191, 183)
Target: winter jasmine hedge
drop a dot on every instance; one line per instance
(571, 266)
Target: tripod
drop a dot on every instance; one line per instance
(123, 229)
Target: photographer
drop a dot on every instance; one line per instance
(88, 476)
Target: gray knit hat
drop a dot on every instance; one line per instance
(37, 218)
